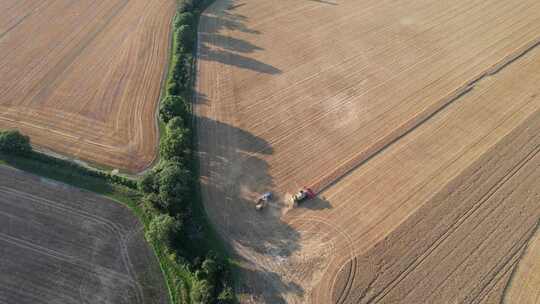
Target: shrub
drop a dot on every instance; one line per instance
(201, 292)
(13, 142)
(181, 73)
(148, 183)
(174, 186)
(210, 269)
(185, 18)
(172, 106)
(226, 296)
(172, 87)
(162, 229)
(149, 204)
(176, 123)
(186, 39)
(175, 145)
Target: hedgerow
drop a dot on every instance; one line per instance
(195, 274)
(169, 203)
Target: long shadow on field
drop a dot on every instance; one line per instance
(233, 174)
(317, 203)
(228, 50)
(266, 290)
(324, 2)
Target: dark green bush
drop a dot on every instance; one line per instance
(174, 191)
(148, 183)
(226, 296)
(13, 142)
(162, 229)
(172, 106)
(175, 146)
(181, 73)
(185, 36)
(201, 292)
(185, 18)
(172, 87)
(176, 123)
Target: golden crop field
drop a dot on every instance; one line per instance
(417, 123)
(83, 78)
(524, 286)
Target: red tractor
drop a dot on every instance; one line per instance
(302, 195)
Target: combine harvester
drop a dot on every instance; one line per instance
(301, 196)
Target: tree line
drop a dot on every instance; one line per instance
(170, 188)
(169, 191)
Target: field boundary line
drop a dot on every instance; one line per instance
(409, 126)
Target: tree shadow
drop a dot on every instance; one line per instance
(267, 293)
(324, 2)
(235, 6)
(233, 174)
(316, 203)
(214, 46)
(234, 44)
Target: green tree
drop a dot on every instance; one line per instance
(13, 142)
(183, 19)
(148, 183)
(177, 123)
(181, 72)
(174, 186)
(172, 106)
(162, 229)
(175, 145)
(186, 39)
(172, 87)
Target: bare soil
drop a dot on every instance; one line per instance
(59, 244)
(82, 78)
(416, 122)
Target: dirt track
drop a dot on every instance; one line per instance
(61, 245)
(83, 78)
(418, 99)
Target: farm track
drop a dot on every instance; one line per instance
(70, 246)
(386, 109)
(83, 78)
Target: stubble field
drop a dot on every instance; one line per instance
(82, 78)
(63, 245)
(524, 285)
(417, 123)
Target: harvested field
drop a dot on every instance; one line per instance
(417, 123)
(524, 287)
(63, 245)
(83, 78)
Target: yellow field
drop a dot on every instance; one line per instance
(417, 122)
(524, 286)
(83, 78)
